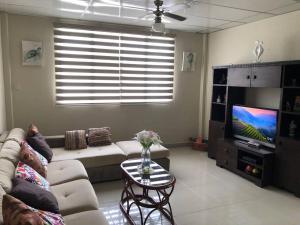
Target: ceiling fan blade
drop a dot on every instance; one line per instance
(174, 16)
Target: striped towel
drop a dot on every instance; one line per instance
(75, 139)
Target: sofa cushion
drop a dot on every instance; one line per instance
(3, 136)
(34, 196)
(2, 193)
(7, 173)
(75, 139)
(133, 149)
(38, 143)
(75, 196)
(94, 217)
(16, 134)
(27, 173)
(65, 171)
(92, 156)
(11, 151)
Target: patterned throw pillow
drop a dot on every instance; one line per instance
(27, 173)
(75, 139)
(99, 136)
(15, 212)
(31, 158)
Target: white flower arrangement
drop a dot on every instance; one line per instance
(148, 138)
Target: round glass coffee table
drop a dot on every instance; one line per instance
(150, 191)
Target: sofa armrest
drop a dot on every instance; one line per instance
(56, 141)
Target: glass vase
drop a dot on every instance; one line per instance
(145, 161)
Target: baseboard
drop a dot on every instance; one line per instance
(175, 145)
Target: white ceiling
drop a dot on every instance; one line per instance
(202, 15)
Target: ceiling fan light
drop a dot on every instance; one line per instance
(158, 27)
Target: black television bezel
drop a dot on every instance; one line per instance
(269, 145)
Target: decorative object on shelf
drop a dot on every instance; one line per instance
(258, 50)
(255, 171)
(288, 106)
(218, 100)
(292, 128)
(297, 104)
(188, 61)
(294, 82)
(248, 169)
(32, 53)
(146, 139)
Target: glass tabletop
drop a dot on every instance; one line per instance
(157, 177)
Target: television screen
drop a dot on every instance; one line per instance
(254, 124)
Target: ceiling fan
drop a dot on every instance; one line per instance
(158, 26)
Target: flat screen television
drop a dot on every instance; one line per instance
(255, 125)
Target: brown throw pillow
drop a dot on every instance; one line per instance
(16, 212)
(28, 157)
(75, 139)
(99, 136)
(39, 144)
(32, 130)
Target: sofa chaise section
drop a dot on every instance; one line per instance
(86, 218)
(75, 197)
(102, 163)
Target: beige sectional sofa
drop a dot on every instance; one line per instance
(103, 162)
(68, 182)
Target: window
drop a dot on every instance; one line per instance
(94, 65)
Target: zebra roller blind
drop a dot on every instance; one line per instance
(94, 65)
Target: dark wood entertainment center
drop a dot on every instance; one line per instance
(279, 166)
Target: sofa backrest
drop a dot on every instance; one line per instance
(2, 192)
(3, 136)
(9, 157)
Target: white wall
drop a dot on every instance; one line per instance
(33, 92)
(281, 36)
(2, 94)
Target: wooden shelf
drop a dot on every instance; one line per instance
(252, 178)
(219, 103)
(291, 87)
(220, 85)
(251, 163)
(291, 113)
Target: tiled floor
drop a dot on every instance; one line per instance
(208, 195)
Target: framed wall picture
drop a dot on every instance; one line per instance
(32, 53)
(188, 61)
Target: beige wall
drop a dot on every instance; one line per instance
(33, 92)
(2, 94)
(281, 36)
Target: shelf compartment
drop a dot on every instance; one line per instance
(289, 96)
(220, 76)
(218, 112)
(291, 75)
(286, 118)
(219, 91)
